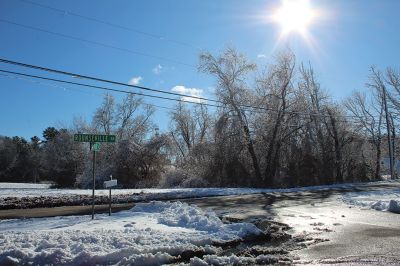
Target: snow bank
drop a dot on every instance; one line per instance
(233, 260)
(4, 185)
(380, 200)
(149, 234)
(182, 215)
(394, 206)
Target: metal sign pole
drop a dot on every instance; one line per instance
(109, 204)
(109, 200)
(94, 179)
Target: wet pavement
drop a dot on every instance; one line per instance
(349, 235)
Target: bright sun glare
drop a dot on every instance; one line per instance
(294, 16)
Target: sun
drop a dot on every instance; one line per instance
(294, 16)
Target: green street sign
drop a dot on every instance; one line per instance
(94, 138)
(96, 146)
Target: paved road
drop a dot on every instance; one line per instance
(356, 237)
(60, 211)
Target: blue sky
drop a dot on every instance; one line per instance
(348, 37)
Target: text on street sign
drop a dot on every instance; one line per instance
(94, 138)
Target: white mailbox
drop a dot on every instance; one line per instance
(110, 183)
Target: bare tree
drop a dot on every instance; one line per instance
(141, 124)
(183, 128)
(104, 117)
(125, 112)
(230, 70)
(189, 127)
(275, 93)
(338, 131)
(393, 80)
(203, 122)
(369, 118)
(380, 92)
(131, 121)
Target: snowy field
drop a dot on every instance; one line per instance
(43, 190)
(379, 199)
(149, 234)
(4, 185)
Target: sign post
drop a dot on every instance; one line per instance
(94, 141)
(93, 174)
(110, 184)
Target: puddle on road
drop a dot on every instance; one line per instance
(275, 245)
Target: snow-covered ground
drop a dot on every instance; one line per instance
(44, 190)
(40, 190)
(37, 190)
(381, 200)
(149, 234)
(6, 185)
(159, 232)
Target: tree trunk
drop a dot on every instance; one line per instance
(338, 150)
(251, 150)
(378, 161)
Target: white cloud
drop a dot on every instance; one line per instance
(261, 56)
(157, 69)
(211, 89)
(135, 80)
(188, 91)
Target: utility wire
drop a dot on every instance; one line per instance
(92, 19)
(102, 80)
(145, 103)
(49, 84)
(70, 89)
(75, 75)
(130, 51)
(98, 95)
(104, 88)
(202, 99)
(147, 95)
(96, 43)
(87, 85)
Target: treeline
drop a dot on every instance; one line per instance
(274, 127)
(137, 159)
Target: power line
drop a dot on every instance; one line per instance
(96, 43)
(92, 19)
(102, 80)
(69, 89)
(49, 84)
(70, 74)
(103, 88)
(127, 92)
(65, 88)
